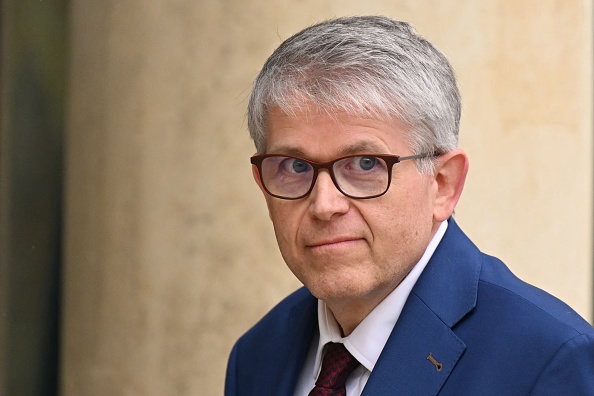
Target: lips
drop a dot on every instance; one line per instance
(335, 241)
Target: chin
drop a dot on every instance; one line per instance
(333, 288)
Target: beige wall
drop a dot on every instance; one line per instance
(169, 252)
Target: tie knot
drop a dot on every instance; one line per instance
(337, 365)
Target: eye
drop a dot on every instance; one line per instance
(294, 165)
(365, 163)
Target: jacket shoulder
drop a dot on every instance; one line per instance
(520, 298)
(277, 322)
(263, 350)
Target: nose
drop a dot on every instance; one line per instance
(326, 199)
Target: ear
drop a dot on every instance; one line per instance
(450, 175)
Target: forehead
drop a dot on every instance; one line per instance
(320, 134)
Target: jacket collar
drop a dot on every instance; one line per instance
(449, 283)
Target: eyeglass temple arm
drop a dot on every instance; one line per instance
(417, 156)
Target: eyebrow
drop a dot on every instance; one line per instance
(362, 147)
(289, 151)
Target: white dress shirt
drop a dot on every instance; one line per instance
(368, 339)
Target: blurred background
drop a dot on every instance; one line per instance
(135, 247)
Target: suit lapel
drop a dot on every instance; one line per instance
(423, 350)
(418, 357)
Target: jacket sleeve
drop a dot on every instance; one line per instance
(570, 371)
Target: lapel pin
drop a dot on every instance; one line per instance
(438, 366)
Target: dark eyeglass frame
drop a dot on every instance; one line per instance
(389, 159)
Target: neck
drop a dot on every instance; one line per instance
(349, 314)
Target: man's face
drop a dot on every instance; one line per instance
(342, 249)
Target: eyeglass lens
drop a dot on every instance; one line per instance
(356, 176)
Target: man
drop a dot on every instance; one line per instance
(355, 121)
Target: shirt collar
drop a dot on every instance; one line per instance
(368, 339)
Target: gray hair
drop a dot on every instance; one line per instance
(371, 66)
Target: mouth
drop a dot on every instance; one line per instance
(342, 242)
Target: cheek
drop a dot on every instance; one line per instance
(285, 221)
(286, 224)
(403, 224)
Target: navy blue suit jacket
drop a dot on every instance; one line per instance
(493, 334)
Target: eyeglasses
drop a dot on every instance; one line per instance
(356, 176)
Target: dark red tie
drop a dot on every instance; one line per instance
(338, 363)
